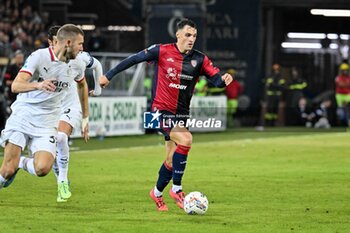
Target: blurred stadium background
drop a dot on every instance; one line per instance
(286, 179)
(247, 36)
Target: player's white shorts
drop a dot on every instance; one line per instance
(73, 117)
(23, 133)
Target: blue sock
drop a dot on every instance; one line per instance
(165, 174)
(179, 163)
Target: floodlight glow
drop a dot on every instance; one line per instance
(331, 12)
(332, 36)
(87, 27)
(344, 36)
(124, 28)
(333, 46)
(297, 45)
(302, 35)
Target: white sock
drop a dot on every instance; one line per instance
(2, 181)
(156, 192)
(55, 168)
(176, 188)
(27, 164)
(62, 157)
(21, 162)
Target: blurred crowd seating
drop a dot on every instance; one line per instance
(22, 27)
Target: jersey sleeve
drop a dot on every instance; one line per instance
(208, 69)
(97, 72)
(31, 64)
(87, 59)
(212, 73)
(81, 71)
(152, 52)
(149, 54)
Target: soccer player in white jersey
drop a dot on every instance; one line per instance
(42, 82)
(70, 119)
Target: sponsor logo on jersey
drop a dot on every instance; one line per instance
(170, 59)
(186, 77)
(60, 85)
(178, 86)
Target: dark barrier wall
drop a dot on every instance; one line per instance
(227, 32)
(232, 40)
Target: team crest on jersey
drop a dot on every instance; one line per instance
(194, 63)
(171, 73)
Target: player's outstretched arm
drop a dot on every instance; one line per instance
(22, 84)
(149, 54)
(97, 67)
(83, 96)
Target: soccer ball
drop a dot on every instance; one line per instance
(196, 203)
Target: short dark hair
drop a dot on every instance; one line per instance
(52, 32)
(19, 52)
(183, 22)
(68, 31)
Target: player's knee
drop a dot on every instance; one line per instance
(8, 171)
(42, 169)
(186, 139)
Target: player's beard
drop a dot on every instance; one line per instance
(69, 54)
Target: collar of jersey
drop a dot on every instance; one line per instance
(183, 54)
(52, 54)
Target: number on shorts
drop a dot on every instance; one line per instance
(52, 139)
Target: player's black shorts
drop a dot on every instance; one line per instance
(169, 120)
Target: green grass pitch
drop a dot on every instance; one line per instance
(255, 182)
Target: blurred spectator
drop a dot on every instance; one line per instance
(294, 92)
(20, 27)
(321, 115)
(96, 42)
(11, 74)
(5, 47)
(3, 106)
(274, 87)
(306, 115)
(317, 118)
(297, 84)
(232, 92)
(201, 87)
(342, 93)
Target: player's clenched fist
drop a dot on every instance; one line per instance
(103, 81)
(227, 78)
(46, 85)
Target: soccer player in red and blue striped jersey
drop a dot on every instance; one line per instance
(177, 69)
